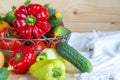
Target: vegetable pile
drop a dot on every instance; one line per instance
(35, 27)
(27, 24)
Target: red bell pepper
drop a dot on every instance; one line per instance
(21, 59)
(31, 21)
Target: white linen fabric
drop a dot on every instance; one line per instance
(103, 51)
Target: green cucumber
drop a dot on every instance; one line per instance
(73, 56)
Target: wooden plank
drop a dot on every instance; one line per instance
(81, 15)
(77, 10)
(70, 71)
(90, 26)
(13, 76)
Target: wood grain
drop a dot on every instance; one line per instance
(90, 26)
(82, 15)
(70, 71)
(13, 76)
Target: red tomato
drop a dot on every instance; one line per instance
(8, 33)
(51, 45)
(29, 44)
(6, 44)
(6, 39)
(36, 45)
(14, 44)
(40, 45)
(3, 45)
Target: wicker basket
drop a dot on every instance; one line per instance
(5, 49)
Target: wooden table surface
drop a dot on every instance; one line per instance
(69, 76)
(13, 76)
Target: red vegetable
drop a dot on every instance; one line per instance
(22, 59)
(51, 45)
(36, 45)
(40, 45)
(8, 32)
(7, 42)
(31, 21)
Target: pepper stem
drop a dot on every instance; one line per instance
(18, 56)
(31, 20)
(48, 39)
(27, 2)
(42, 56)
(57, 73)
(13, 8)
(10, 67)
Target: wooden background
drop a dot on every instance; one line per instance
(80, 15)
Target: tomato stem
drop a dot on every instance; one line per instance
(48, 39)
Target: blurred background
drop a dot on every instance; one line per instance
(80, 15)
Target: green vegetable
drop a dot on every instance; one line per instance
(47, 53)
(50, 53)
(9, 17)
(53, 69)
(55, 19)
(4, 73)
(51, 10)
(60, 31)
(74, 57)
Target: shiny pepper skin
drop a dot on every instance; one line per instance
(53, 69)
(31, 21)
(21, 59)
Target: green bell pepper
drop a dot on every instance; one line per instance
(51, 53)
(53, 69)
(47, 53)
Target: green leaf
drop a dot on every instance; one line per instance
(4, 73)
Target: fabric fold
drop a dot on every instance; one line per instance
(103, 51)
